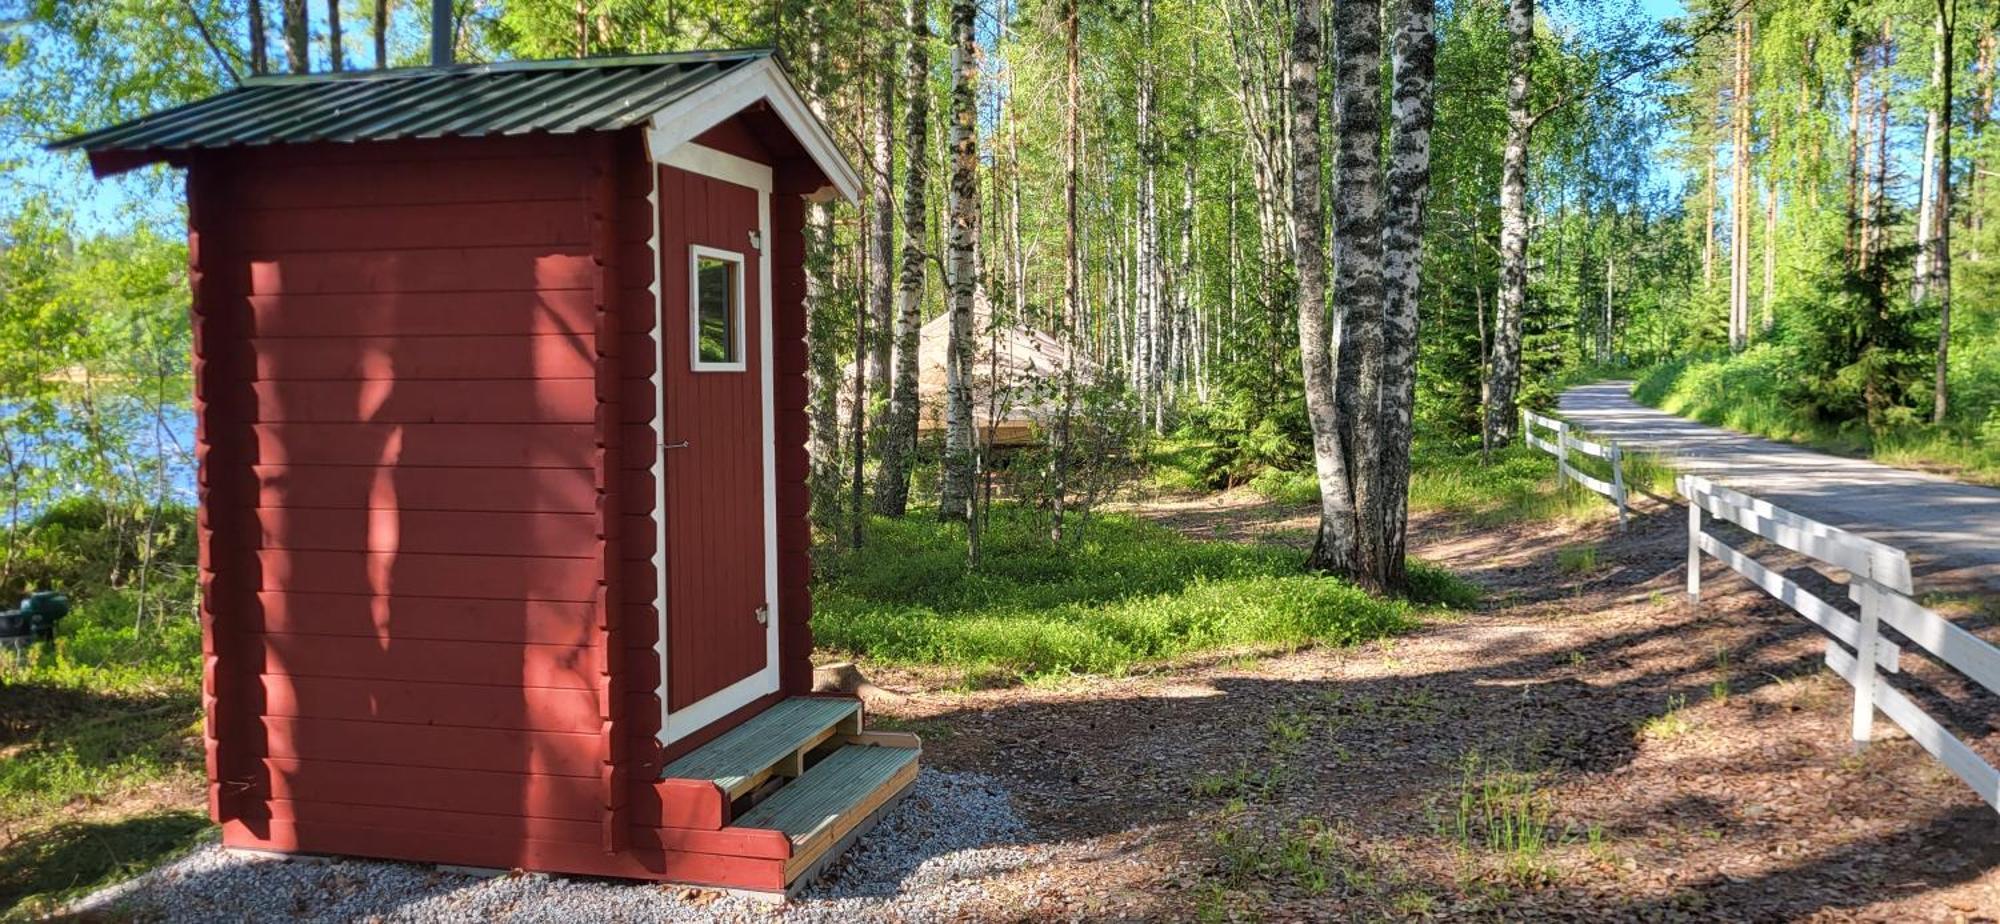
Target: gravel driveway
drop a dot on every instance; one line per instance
(1951, 529)
(926, 861)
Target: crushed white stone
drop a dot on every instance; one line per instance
(925, 860)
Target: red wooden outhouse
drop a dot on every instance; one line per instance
(500, 380)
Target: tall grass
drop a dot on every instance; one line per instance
(1518, 484)
(1747, 392)
(1127, 592)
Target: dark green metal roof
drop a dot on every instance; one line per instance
(558, 97)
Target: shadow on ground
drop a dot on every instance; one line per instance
(1668, 760)
(39, 869)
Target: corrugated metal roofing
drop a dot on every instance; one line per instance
(558, 97)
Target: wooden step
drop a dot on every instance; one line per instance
(821, 810)
(774, 742)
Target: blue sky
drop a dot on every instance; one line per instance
(154, 197)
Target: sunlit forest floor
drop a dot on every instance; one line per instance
(1583, 746)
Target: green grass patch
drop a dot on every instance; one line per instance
(1297, 488)
(1125, 592)
(1518, 484)
(1577, 559)
(99, 749)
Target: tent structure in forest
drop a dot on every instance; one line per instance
(1017, 378)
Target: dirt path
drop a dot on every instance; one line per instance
(1951, 529)
(1587, 748)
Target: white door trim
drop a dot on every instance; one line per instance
(706, 161)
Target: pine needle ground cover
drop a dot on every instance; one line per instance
(1119, 593)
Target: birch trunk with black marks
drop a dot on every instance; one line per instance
(1505, 377)
(1357, 272)
(899, 439)
(956, 478)
(882, 243)
(823, 374)
(1071, 314)
(1413, 70)
(1334, 546)
(1152, 314)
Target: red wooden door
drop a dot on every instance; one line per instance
(714, 429)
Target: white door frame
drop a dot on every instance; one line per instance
(720, 165)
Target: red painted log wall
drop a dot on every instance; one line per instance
(425, 426)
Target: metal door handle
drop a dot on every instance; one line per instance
(683, 444)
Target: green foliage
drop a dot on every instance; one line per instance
(109, 714)
(1846, 369)
(1121, 593)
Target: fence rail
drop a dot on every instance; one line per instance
(1564, 443)
(1878, 580)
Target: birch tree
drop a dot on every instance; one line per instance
(956, 477)
(882, 220)
(892, 478)
(1504, 379)
(1072, 308)
(1413, 70)
(1741, 105)
(1335, 544)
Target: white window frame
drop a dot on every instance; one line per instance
(696, 254)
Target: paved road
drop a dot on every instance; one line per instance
(1950, 529)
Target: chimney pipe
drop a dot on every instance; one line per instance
(441, 32)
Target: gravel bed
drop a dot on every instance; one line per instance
(925, 861)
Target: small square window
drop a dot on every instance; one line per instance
(717, 295)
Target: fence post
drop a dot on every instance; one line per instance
(1562, 454)
(1864, 661)
(1617, 458)
(1694, 540)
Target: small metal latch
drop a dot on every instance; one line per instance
(683, 444)
(764, 615)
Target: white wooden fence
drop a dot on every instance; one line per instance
(1878, 580)
(1564, 443)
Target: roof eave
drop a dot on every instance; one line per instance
(682, 120)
